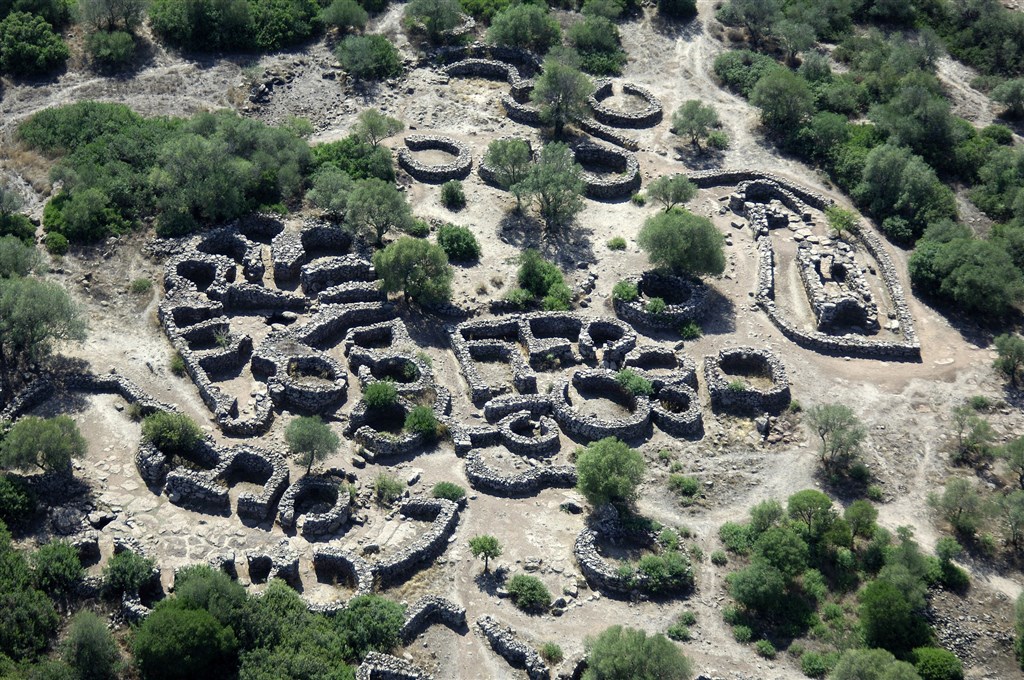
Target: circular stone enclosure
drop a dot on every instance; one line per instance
(686, 299)
(441, 169)
(621, 168)
(647, 114)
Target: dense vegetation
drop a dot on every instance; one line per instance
(883, 131)
(818, 583)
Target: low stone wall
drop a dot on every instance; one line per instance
(500, 407)
(592, 428)
(646, 359)
(852, 297)
(507, 645)
(490, 68)
(280, 561)
(377, 666)
(333, 561)
(456, 169)
(600, 574)
(543, 444)
(623, 185)
(327, 272)
(748, 399)
(528, 483)
(521, 113)
(427, 611)
(315, 524)
(715, 178)
(46, 386)
(607, 133)
(649, 116)
(444, 515)
(675, 314)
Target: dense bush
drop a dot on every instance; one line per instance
(49, 444)
(667, 572)
(626, 291)
(370, 57)
(449, 491)
(371, 623)
(356, 158)
(387, 489)
(421, 420)
(525, 25)
(634, 383)
(678, 9)
(56, 568)
(177, 643)
(935, 663)
(620, 653)
(528, 593)
(310, 440)
(206, 25)
(416, 267)
(458, 243)
(380, 394)
(173, 433)
(452, 195)
(536, 274)
(683, 242)
(344, 15)
(28, 46)
(90, 649)
(110, 49)
(597, 42)
(126, 572)
(436, 17)
(740, 70)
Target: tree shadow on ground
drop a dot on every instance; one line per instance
(699, 159)
(569, 246)
(720, 318)
(490, 582)
(687, 30)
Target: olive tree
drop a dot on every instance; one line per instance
(49, 444)
(372, 126)
(485, 546)
(416, 267)
(561, 92)
(620, 653)
(310, 440)
(1010, 355)
(375, 206)
(684, 243)
(672, 190)
(609, 471)
(840, 431)
(695, 120)
(510, 160)
(556, 184)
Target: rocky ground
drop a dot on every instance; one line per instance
(906, 405)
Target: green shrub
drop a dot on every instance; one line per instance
(625, 291)
(619, 652)
(18, 226)
(638, 200)
(609, 470)
(765, 649)
(558, 299)
(875, 493)
(173, 433)
(718, 140)
(29, 46)
(449, 491)
(655, 306)
(552, 653)
(814, 665)
(634, 383)
(688, 618)
(387, 489)
(684, 485)
(56, 568)
(140, 286)
(27, 620)
(737, 385)
(935, 663)
(56, 244)
(126, 572)
(690, 331)
(536, 274)
(519, 297)
(679, 632)
(418, 228)
(422, 420)
(739, 70)
(175, 642)
(110, 49)
(90, 649)
(616, 243)
(981, 403)
(667, 572)
(735, 537)
(371, 623)
(719, 558)
(528, 593)
(742, 634)
(356, 158)
(344, 15)
(17, 503)
(380, 394)
(452, 195)
(527, 26)
(458, 242)
(370, 57)
(177, 365)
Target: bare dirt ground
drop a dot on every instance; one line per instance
(905, 404)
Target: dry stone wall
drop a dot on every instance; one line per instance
(427, 611)
(648, 116)
(728, 394)
(458, 168)
(507, 645)
(377, 666)
(691, 295)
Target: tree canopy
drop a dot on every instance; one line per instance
(609, 471)
(49, 444)
(620, 653)
(561, 92)
(684, 243)
(555, 181)
(310, 440)
(416, 267)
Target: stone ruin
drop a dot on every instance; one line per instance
(649, 116)
(686, 299)
(834, 282)
(507, 645)
(457, 168)
(730, 392)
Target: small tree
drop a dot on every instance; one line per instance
(380, 394)
(683, 243)
(344, 15)
(416, 267)
(620, 653)
(785, 100)
(109, 15)
(1013, 453)
(861, 517)
(1010, 359)
(672, 190)
(561, 92)
(510, 159)
(90, 648)
(372, 57)
(372, 624)
(458, 243)
(177, 642)
(556, 182)
(310, 440)
(696, 120)
(485, 546)
(33, 315)
(1009, 512)
(841, 221)
(372, 126)
(960, 504)
(935, 663)
(45, 443)
(126, 572)
(973, 435)
(330, 189)
(609, 471)
(376, 206)
(841, 434)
